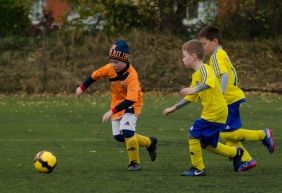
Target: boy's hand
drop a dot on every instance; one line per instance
(169, 110)
(107, 115)
(187, 91)
(78, 91)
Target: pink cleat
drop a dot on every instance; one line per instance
(244, 166)
(268, 140)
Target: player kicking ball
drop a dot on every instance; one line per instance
(126, 103)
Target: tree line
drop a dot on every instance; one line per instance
(239, 19)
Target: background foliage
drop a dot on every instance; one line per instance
(57, 60)
(242, 19)
(60, 63)
(13, 17)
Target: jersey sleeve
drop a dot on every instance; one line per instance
(220, 62)
(133, 88)
(101, 73)
(192, 97)
(208, 76)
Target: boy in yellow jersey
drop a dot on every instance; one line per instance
(126, 102)
(233, 133)
(205, 131)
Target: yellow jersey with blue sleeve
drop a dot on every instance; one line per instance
(221, 64)
(213, 102)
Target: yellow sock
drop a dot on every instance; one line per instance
(143, 140)
(223, 150)
(132, 149)
(243, 134)
(246, 155)
(196, 156)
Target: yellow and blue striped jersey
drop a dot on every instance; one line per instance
(214, 105)
(221, 64)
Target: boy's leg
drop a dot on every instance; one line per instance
(223, 150)
(195, 151)
(257, 135)
(233, 138)
(132, 148)
(240, 134)
(127, 126)
(143, 141)
(117, 134)
(227, 151)
(243, 134)
(150, 143)
(251, 135)
(246, 155)
(247, 161)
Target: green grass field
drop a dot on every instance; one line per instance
(89, 160)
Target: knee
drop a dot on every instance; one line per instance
(127, 133)
(119, 138)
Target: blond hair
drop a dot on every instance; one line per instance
(194, 47)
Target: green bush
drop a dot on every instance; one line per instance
(13, 17)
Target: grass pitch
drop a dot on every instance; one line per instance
(89, 160)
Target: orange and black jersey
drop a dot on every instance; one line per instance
(125, 88)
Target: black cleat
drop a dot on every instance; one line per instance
(153, 148)
(237, 159)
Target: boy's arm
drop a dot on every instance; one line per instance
(97, 74)
(223, 82)
(88, 81)
(121, 106)
(202, 87)
(193, 90)
(175, 107)
(181, 104)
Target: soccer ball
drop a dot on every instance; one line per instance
(45, 162)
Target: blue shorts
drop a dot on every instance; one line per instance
(207, 132)
(233, 121)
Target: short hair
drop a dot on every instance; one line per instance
(194, 47)
(211, 33)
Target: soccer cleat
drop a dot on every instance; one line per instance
(237, 159)
(153, 148)
(244, 166)
(194, 172)
(268, 140)
(133, 166)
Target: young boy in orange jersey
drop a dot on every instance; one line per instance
(233, 133)
(126, 102)
(205, 131)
